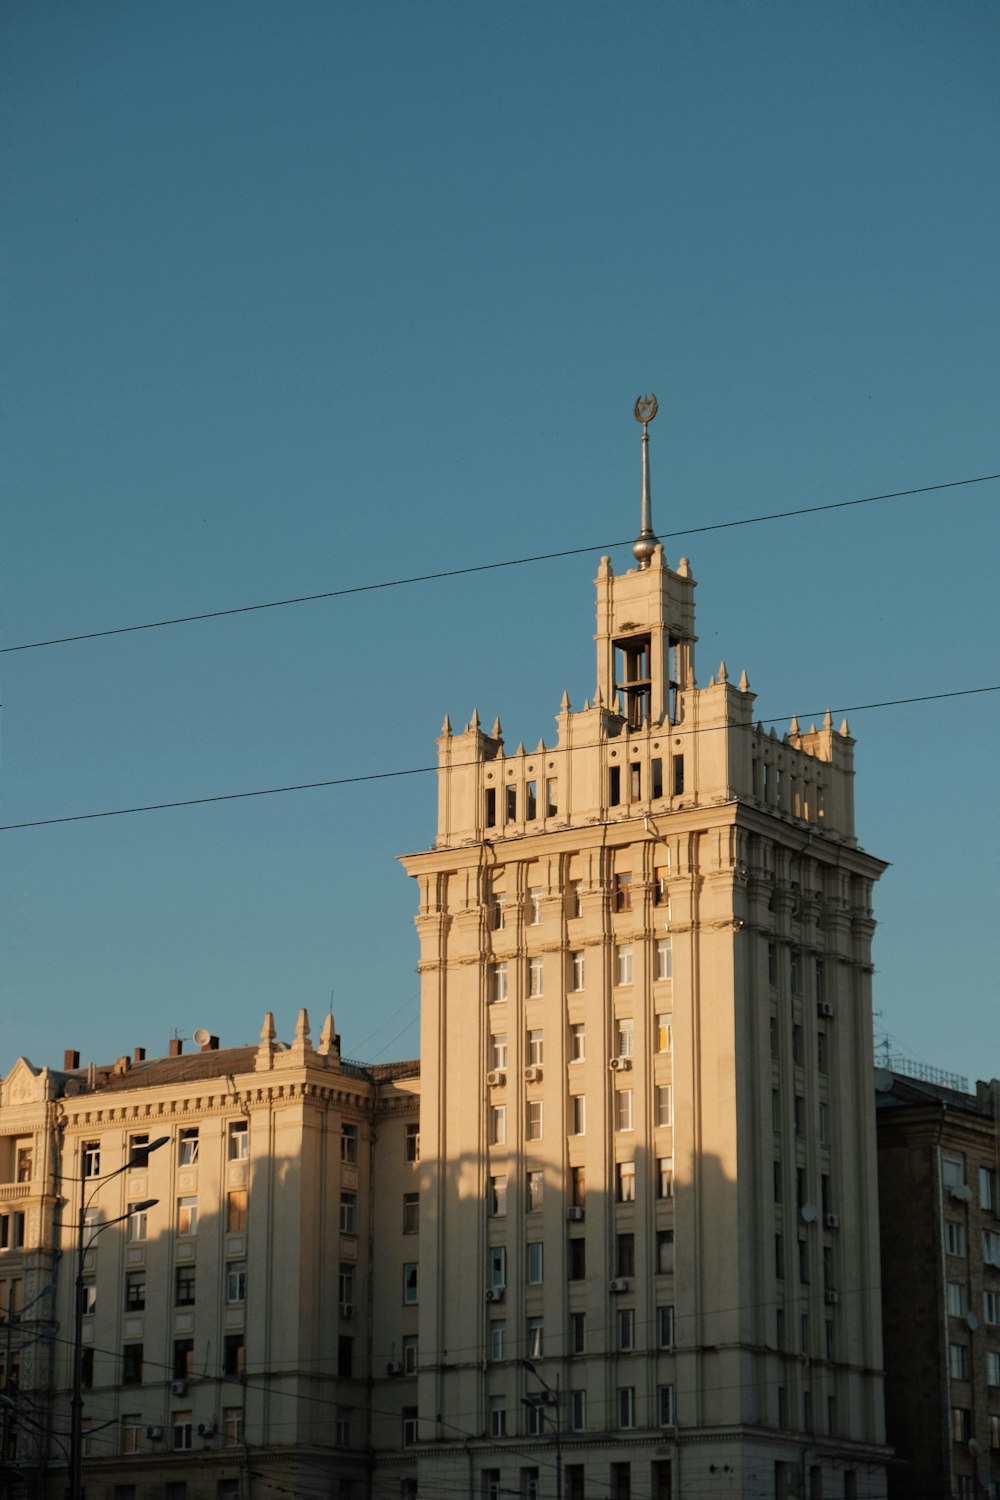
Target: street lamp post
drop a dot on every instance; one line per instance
(137, 1159)
(550, 1397)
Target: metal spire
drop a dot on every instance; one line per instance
(646, 542)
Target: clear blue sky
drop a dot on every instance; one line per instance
(300, 296)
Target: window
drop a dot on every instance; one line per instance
(511, 803)
(992, 1368)
(578, 1411)
(233, 1356)
(536, 1047)
(994, 1443)
(498, 989)
(238, 1141)
(536, 976)
(664, 1104)
(954, 1237)
(187, 1147)
(551, 797)
(491, 1484)
(232, 1426)
(498, 1049)
(577, 1042)
(577, 1259)
(236, 1281)
(411, 1213)
(665, 1177)
(961, 1424)
(498, 1196)
(799, 1110)
(953, 1171)
(664, 1252)
(410, 1282)
(181, 1429)
(135, 1292)
(535, 1262)
(342, 1427)
(498, 1417)
(578, 1186)
(90, 1158)
(625, 1181)
(138, 1149)
(625, 1037)
(576, 970)
(664, 1033)
(779, 1256)
(345, 1284)
(991, 1308)
(824, 1123)
(660, 877)
(348, 1213)
(666, 1406)
(236, 1211)
(991, 1247)
(536, 1337)
(664, 959)
(822, 1052)
(349, 1143)
(958, 1361)
(410, 1419)
(531, 800)
(678, 765)
(577, 1115)
(490, 814)
(578, 1330)
(626, 1406)
(623, 963)
(625, 1255)
(536, 1189)
(535, 906)
(411, 1149)
(987, 1189)
(498, 1266)
(23, 1164)
(798, 1050)
(533, 1120)
(575, 898)
(131, 1364)
(626, 1329)
(187, 1215)
(955, 1299)
(131, 1431)
(498, 1339)
(183, 1359)
(498, 911)
(345, 1356)
(623, 1109)
(665, 1326)
(623, 893)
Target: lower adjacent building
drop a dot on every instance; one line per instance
(938, 1158)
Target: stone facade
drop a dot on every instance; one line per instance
(940, 1229)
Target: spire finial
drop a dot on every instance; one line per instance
(645, 543)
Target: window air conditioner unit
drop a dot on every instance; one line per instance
(831, 1298)
(346, 1310)
(831, 1221)
(620, 1064)
(962, 1192)
(155, 1433)
(495, 1293)
(496, 1079)
(179, 1387)
(207, 1429)
(574, 1214)
(394, 1368)
(533, 1074)
(824, 1008)
(619, 1284)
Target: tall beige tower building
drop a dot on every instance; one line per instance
(649, 1230)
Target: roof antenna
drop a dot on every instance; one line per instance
(646, 542)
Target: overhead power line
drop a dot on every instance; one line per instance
(511, 562)
(311, 786)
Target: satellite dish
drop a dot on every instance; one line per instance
(883, 1081)
(972, 1321)
(809, 1213)
(202, 1036)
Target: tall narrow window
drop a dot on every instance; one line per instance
(536, 1046)
(614, 786)
(623, 963)
(187, 1147)
(664, 959)
(678, 765)
(531, 800)
(239, 1140)
(536, 976)
(551, 798)
(499, 982)
(624, 1037)
(622, 893)
(534, 906)
(623, 1109)
(576, 970)
(625, 1174)
(511, 803)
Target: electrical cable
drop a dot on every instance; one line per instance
(310, 786)
(513, 562)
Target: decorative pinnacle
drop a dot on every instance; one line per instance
(645, 543)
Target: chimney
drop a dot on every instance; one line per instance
(140, 1054)
(71, 1060)
(176, 1047)
(122, 1064)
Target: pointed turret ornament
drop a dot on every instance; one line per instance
(646, 542)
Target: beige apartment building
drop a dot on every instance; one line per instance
(239, 1336)
(648, 1120)
(627, 1246)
